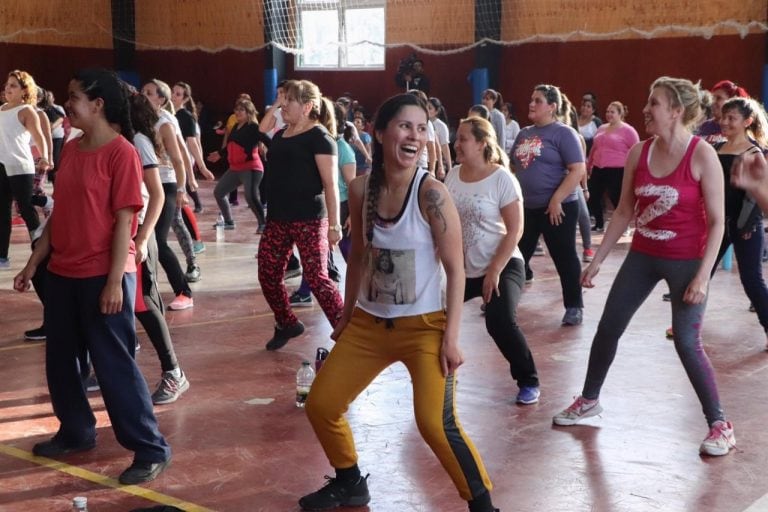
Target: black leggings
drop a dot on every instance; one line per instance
(18, 188)
(501, 321)
(166, 256)
(604, 179)
(561, 242)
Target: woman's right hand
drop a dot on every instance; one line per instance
(343, 321)
(23, 279)
(590, 272)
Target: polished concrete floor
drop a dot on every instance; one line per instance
(240, 444)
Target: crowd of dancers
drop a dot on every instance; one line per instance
(423, 224)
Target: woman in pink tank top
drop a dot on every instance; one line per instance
(673, 187)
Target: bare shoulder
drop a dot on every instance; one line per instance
(432, 190)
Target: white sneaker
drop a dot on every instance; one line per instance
(580, 409)
(720, 439)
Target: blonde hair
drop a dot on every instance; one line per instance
(482, 130)
(164, 91)
(682, 94)
(28, 86)
(620, 108)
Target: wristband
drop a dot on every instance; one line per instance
(336, 228)
(180, 190)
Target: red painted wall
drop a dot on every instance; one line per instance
(620, 70)
(51, 66)
(624, 70)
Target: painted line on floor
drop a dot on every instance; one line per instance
(102, 480)
(761, 505)
(22, 345)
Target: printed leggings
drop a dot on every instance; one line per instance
(636, 279)
(276, 247)
(366, 347)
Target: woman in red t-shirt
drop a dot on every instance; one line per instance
(92, 281)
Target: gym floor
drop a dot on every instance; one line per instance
(240, 444)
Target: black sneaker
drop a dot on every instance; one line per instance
(337, 493)
(302, 301)
(140, 472)
(35, 334)
(282, 335)
(54, 447)
(667, 297)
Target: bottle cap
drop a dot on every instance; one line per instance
(80, 501)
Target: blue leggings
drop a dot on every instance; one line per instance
(636, 279)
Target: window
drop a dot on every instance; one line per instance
(338, 34)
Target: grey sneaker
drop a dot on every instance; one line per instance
(573, 316)
(193, 273)
(170, 388)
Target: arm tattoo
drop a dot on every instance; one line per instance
(434, 207)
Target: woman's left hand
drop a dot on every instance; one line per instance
(555, 212)
(696, 291)
(111, 298)
(43, 164)
(450, 357)
(490, 286)
(333, 237)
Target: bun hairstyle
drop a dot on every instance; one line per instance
(621, 108)
(105, 84)
(682, 94)
(731, 89)
(553, 96)
(304, 92)
(482, 130)
(164, 91)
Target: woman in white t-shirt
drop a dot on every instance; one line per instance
(490, 205)
(439, 119)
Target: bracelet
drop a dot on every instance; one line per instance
(585, 190)
(180, 190)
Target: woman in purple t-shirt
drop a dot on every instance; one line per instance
(549, 163)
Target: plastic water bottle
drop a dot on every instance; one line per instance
(220, 228)
(80, 504)
(304, 378)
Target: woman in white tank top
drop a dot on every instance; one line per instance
(19, 124)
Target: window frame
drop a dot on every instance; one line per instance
(341, 8)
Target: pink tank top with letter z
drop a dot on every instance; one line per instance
(670, 216)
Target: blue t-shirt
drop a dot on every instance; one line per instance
(541, 156)
(346, 156)
(359, 157)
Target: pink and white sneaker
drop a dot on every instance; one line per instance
(720, 439)
(181, 302)
(579, 410)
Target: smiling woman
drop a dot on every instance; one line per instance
(404, 229)
(674, 183)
